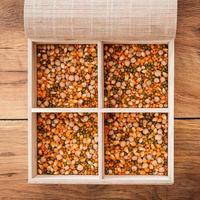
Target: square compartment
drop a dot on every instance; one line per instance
(136, 144)
(67, 143)
(66, 75)
(136, 75)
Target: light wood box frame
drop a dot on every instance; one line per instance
(100, 178)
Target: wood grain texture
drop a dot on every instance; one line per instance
(13, 93)
(13, 60)
(13, 105)
(13, 170)
(12, 25)
(13, 57)
(187, 60)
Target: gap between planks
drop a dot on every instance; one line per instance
(176, 118)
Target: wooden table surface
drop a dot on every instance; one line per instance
(13, 116)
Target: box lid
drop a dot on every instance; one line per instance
(101, 19)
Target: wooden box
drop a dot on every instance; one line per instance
(101, 178)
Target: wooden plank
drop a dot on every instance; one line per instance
(187, 60)
(13, 170)
(187, 81)
(12, 39)
(13, 57)
(13, 93)
(11, 24)
(13, 60)
(188, 23)
(11, 11)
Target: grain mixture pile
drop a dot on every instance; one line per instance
(135, 76)
(135, 144)
(67, 75)
(67, 143)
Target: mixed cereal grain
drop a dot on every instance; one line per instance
(67, 143)
(135, 144)
(67, 75)
(135, 75)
